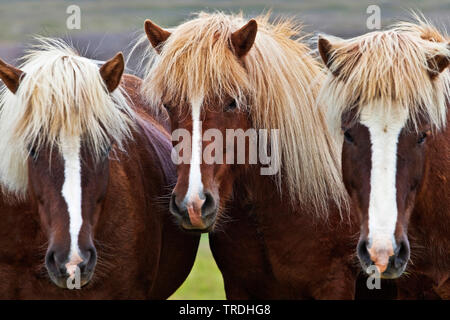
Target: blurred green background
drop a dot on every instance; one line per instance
(205, 280)
(109, 26)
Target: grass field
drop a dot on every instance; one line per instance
(205, 281)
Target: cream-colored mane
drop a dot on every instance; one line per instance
(390, 69)
(278, 83)
(61, 94)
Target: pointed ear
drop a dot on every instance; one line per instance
(112, 71)
(325, 49)
(438, 63)
(11, 76)
(155, 34)
(328, 49)
(244, 38)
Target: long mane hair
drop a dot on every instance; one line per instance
(61, 95)
(389, 69)
(277, 83)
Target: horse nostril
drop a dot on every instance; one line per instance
(173, 206)
(402, 255)
(84, 263)
(209, 206)
(53, 264)
(89, 261)
(363, 253)
(50, 260)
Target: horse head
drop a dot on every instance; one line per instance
(63, 119)
(387, 90)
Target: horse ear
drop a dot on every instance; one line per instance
(155, 34)
(326, 50)
(11, 76)
(438, 63)
(112, 71)
(244, 38)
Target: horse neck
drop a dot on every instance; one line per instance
(136, 194)
(132, 86)
(152, 130)
(19, 228)
(149, 150)
(262, 191)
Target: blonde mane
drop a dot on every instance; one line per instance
(61, 95)
(278, 83)
(390, 69)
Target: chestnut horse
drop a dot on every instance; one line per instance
(93, 167)
(269, 236)
(389, 91)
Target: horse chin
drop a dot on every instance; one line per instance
(62, 281)
(390, 274)
(206, 225)
(191, 229)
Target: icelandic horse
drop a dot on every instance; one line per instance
(388, 91)
(86, 171)
(275, 234)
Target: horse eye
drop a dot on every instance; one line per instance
(33, 154)
(422, 137)
(231, 106)
(348, 137)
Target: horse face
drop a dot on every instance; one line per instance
(383, 166)
(69, 189)
(387, 113)
(203, 187)
(204, 183)
(69, 186)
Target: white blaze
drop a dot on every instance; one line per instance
(71, 191)
(195, 176)
(384, 129)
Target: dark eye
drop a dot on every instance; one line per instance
(348, 137)
(423, 136)
(33, 154)
(231, 106)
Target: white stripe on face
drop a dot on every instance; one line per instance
(195, 176)
(384, 129)
(71, 191)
